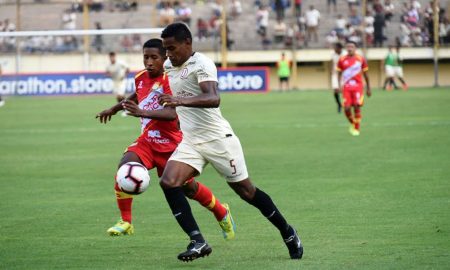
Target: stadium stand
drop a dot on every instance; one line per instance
(48, 15)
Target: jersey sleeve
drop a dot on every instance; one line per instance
(206, 71)
(339, 65)
(364, 65)
(165, 85)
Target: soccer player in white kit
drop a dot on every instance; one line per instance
(207, 138)
(118, 71)
(337, 53)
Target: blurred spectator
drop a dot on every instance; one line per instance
(279, 31)
(265, 41)
(126, 43)
(332, 38)
(69, 20)
(340, 24)
(352, 3)
(166, 14)
(377, 6)
(312, 23)
(329, 3)
(214, 25)
(415, 4)
(216, 7)
(356, 37)
(388, 10)
(236, 9)
(202, 28)
(262, 20)
(137, 43)
(98, 39)
(279, 6)
(354, 19)
(298, 8)
(378, 26)
(184, 14)
(369, 28)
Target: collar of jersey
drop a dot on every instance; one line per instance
(187, 61)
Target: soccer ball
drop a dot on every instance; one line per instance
(133, 178)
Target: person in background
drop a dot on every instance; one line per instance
(284, 72)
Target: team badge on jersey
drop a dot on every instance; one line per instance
(184, 73)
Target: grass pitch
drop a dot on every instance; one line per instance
(378, 201)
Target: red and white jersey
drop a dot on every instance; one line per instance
(352, 68)
(164, 136)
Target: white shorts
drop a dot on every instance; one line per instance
(392, 71)
(225, 155)
(334, 81)
(119, 87)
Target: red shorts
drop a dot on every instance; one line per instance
(150, 158)
(353, 97)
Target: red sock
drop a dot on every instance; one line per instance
(124, 202)
(348, 114)
(357, 117)
(205, 197)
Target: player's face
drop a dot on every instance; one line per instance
(153, 61)
(178, 52)
(351, 48)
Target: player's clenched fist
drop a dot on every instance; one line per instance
(105, 115)
(168, 100)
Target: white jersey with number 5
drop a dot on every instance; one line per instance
(199, 125)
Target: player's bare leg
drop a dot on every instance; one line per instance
(352, 119)
(338, 100)
(124, 202)
(405, 86)
(174, 176)
(259, 199)
(357, 110)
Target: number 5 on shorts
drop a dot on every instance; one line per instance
(232, 165)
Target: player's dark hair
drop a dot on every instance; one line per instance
(338, 45)
(155, 43)
(112, 54)
(178, 30)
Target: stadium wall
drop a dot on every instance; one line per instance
(312, 72)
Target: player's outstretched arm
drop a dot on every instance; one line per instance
(368, 90)
(209, 98)
(166, 114)
(106, 115)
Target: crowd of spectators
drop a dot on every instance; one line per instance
(278, 24)
(415, 24)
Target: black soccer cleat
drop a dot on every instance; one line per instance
(194, 251)
(294, 246)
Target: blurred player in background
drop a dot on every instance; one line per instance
(284, 72)
(2, 102)
(334, 74)
(118, 71)
(160, 136)
(393, 68)
(351, 68)
(207, 138)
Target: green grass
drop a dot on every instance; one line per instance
(378, 201)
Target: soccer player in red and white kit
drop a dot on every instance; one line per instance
(160, 137)
(351, 68)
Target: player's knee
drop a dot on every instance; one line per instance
(245, 190)
(168, 182)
